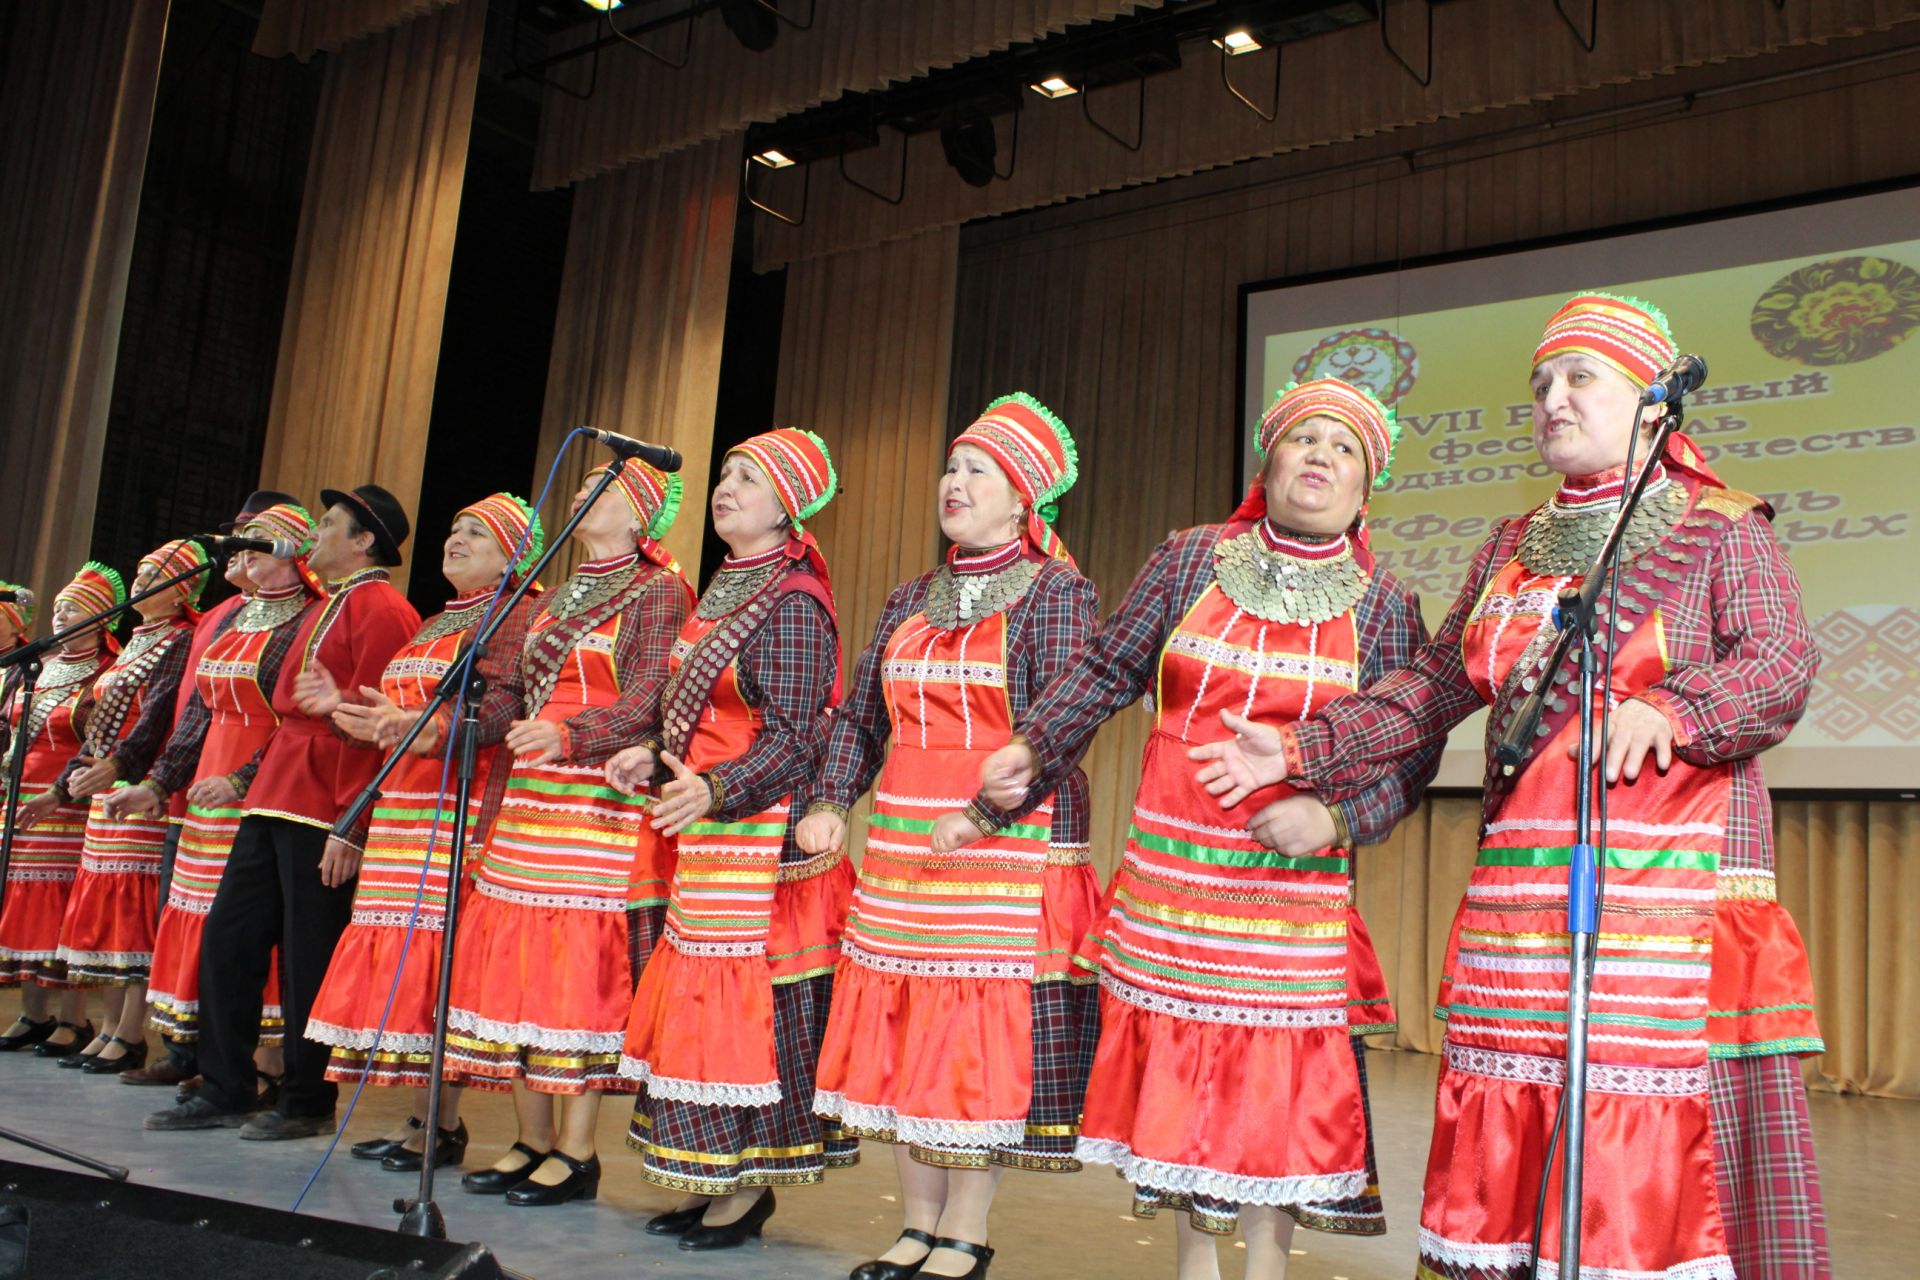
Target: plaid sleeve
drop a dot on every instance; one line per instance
(135, 751)
(786, 673)
(648, 627)
(857, 741)
(1391, 632)
(1363, 738)
(500, 705)
(173, 768)
(1060, 615)
(1749, 692)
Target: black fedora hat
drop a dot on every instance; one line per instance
(257, 501)
(379, 513)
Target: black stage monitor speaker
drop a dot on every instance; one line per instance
(56, 1225)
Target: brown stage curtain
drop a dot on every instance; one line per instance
(640, 108)
(360, 345)
(1336, 87)
(865, 347)
(643, 308)
(304, 27)
(1121, 313)
(76, 103)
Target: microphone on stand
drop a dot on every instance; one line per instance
(20, 597)
(1683, 377)
(659, 456)
(218, 545)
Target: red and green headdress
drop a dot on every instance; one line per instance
(1035, 449)
(177, 557)
(289, 520)
(509, 519)
(654, 497)
(95, 588)
(800, 469)
(20, 609)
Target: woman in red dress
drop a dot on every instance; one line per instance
(1235, 975)
(961, 1030)
(383, 982)
(107, 936)
(49, 833)
(726, 1025)
(569, 886)
(1701, 994)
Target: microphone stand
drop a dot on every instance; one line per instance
(1577, 617)
(420, 1216)
(30, 658)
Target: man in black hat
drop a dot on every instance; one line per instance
(289, 882)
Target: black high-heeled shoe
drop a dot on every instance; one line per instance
(134, 1058)
(495, 1182)
(581, 1183)
(878, 1270)
(381, 1148)
(34, 1034)
(449, 1148)
(735, 1233)
(676, 1223)
(982, 1256)
(82, 1037)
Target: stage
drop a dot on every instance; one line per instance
(1066, 1226)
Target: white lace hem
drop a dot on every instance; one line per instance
(915, 967)
(557, 901)
(1225, 1014)
(362, 1040)
(698, 1092)
(1196, 1180)
(531, 1035)
(921, 1131)
(1506, 1257)
(106, 959)
(1602, 1077)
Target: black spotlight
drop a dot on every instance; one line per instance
(970, 145)
(753, 24)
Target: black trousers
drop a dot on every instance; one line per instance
(270, 895)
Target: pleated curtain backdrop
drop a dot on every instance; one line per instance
(77, 86)
(643, 307)
(639, 108)
(1122, 314)
(1335, 87)
(360, 345)
(865, 346)
(305, 27)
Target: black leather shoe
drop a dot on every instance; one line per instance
(496, 1182)
(381, 1148)
(449, 1148)
(581, 1183)
(82, 1037)
(735, 1233)
(133, 1059)
(74, 1061)
(878, 1270)
(677, 1223)
(34, 1034)
(982, 1256)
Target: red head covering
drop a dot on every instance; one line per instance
(18, 610)
(800, 469)
(1035, 449)
(654, 497)
(177, 557)
(289, 520)
(1632, 337)
(1345, 402)
(95, 588)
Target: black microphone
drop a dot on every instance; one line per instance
(655, 455)
(22, 596)
(219, 545)
(1686, 374)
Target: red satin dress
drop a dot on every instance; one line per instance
(1690, 959)
(1233, 979)
(409, 849)
(541, 978)
(46, 858)
(107, 936)
(931, 1039)
(243, 719)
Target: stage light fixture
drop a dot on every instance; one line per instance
(754, 24)
(774, 159)
(970, 147)
(1053, 87)
(602, 5)
(1235, 43)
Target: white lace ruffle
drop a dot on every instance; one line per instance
(1508, 1257)
(121, 866)
(921, 1131)
(531, 1035)
(915, 967)
(362, 1039)
(106, 959)
(1196, 1180)
(698, 1092)
(1224, 1014)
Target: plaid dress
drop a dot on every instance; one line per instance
(1734, 663)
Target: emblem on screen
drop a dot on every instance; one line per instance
(1377, 359)
(1840, 311)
